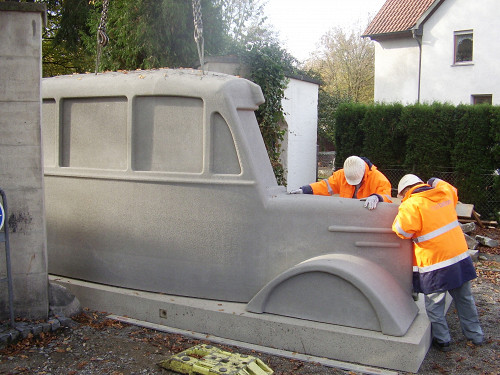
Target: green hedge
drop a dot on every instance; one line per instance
(430, 133)
(427, 139)
(383, 135)
(348, 131)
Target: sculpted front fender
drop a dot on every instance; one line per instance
(339, 289)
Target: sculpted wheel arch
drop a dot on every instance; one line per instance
(339, 289)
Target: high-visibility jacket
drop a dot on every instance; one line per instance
(374, 182)
(427, 215)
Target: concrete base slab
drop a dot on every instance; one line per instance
(231, 320)
(347, 366)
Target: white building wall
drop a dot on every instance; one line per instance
(396, 71)
(396, 61)
(442, 80)
(299, 147)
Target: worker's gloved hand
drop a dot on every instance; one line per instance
(297, 191)
(371, 202)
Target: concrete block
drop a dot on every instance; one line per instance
(471, 242)
(468, 227)
(26, 260)
(45, 327)
(486, 241)
(20, 123)
(4, 338)
(20, 79)
(62, 302)
(24, 330)
(4, 298)
(66, 322)
(21, 168)
(8, 336)
(14, 334)
(3, 265)
(37, 329)
(33, 261)
(26, 204)
(21, 33)
(464, 209)
(31, 295)
(474, 254)
(54, 324)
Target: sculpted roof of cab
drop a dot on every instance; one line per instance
(163, 81)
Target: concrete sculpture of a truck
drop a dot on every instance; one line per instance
(159, 181)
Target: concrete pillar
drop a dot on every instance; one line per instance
(21, 174)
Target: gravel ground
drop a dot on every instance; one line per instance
(98, 345)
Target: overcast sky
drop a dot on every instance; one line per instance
(302, 23)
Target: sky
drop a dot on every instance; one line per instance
(301, 24)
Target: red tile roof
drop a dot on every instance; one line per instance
(397, 16)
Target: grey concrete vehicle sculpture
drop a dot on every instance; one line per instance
(159, 181)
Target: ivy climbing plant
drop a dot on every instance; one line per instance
(269, 65)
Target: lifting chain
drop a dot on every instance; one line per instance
(102, 37)
(198, 32)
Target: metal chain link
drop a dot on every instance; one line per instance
(102, 37)
(101, 30)
(198, 31)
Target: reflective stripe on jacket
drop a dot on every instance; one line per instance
(427, 215)
(374, 182)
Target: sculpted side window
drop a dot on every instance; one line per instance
(94, 133)
(224, 156)
(49, 131)
(167, 134)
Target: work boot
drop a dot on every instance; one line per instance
(442, 346)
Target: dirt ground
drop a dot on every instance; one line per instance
(97, 345)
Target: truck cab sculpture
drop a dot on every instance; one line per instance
(160, 181)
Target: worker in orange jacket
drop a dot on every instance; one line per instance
(358, 179)
(427, 215)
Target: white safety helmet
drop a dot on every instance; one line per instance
(354, 170)
(408, 180)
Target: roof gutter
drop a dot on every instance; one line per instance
(384, 36)
(417, 35)
(417, 32)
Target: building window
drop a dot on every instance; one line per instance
(463, 47)
(482, 99)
